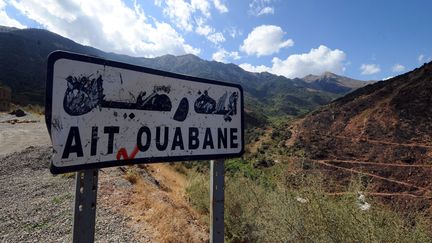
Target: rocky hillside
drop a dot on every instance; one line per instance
(23, 55)
(382, 131)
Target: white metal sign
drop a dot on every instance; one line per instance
(102, 113)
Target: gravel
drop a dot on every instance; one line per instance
(36, 206)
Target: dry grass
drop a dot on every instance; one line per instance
(174, 220)
(166, 211)
(132, 175)
(35, 109)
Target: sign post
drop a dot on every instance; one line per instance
(102, 113)
(217, 197)
(85, 206)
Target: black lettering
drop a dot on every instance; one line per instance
(111, 131)
(140, 145)
(77, 147)
(233, 136)
(208, 140)
(193, 138)
(94, 140)
(178, 139)
(159, 146)
(222, 137)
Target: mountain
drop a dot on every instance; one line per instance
(383, 132)
(23, 56)
(333, 83)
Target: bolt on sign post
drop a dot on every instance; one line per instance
(102, 113)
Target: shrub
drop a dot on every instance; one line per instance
(132, 175)
(298, 209)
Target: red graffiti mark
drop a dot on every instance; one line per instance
(123, 153)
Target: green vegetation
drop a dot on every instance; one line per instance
(56, 200)
(276, 195)
(198, 191)
(294, 207)
(69, 175)
(61, 199)
(36, 226)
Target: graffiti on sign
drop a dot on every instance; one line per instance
(98, 110)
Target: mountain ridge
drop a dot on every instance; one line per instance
(334, 83)
(23, 54)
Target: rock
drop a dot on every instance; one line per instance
(18, 113)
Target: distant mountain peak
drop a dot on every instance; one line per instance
(333, 83)
(189, 56)
(327, 74)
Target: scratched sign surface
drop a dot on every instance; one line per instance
(102, 113)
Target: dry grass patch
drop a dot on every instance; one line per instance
(166, 211)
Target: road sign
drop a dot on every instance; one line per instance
(102, 113)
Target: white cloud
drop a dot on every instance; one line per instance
(222, 8)
(420, 58)
(266, 10)
(316, 61)
(6, 20)
(185, 14)
(209, 32)
(368, 69)
(255, 69)
(397, 68)
(202, 5)
(265, 40)
(389, 77)
(216, 38)
(108, 25)
(180, 13)
(222, 55)
(194, 14)
(233, 32)
(260, 7)
(203, 29)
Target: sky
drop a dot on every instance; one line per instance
(366, 40)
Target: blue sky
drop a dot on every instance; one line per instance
(360, 39)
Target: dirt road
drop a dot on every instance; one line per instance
(36, 206)
(16, 134)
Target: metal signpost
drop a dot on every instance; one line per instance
(102, 113)
(217, 170)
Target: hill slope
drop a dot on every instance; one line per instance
(23, 54)
(382, 131)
